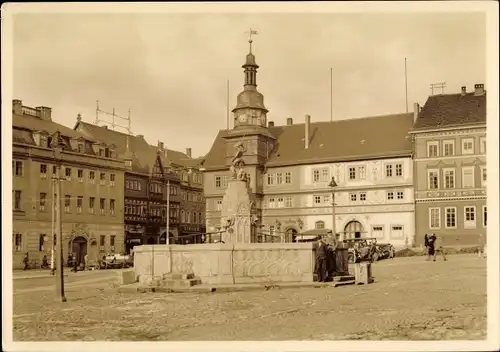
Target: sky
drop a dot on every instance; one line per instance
(171, 70)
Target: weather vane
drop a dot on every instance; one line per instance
(250, 33)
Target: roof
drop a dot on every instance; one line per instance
(351, 139)
(449, 110)
(143, 154)
(33, 123)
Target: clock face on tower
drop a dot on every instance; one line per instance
(243, 118)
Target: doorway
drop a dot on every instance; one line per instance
(291, 235)
(353, 229)
(79, 248)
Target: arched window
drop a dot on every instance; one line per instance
(188, 217)
(200, 218)
(183, 219)
(319, 225)
(195, 220)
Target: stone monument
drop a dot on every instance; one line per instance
(237, 215)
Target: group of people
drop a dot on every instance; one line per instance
(326, 259)
(434, 246)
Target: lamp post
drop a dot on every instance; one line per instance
(52, 249)
(59, 245)
(333, 184)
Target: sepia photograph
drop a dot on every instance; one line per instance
(250, 176)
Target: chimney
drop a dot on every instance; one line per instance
(416, 110)
(44, 113)
(306, 137)
(188, 152)
(478, 89)
(289, 121)
(17, 106)
(270, 124)
(140, 136)
(464, 90)
(160, 145)
(105, 127)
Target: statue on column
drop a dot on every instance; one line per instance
(237, 163)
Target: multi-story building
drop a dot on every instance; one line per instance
(290, 168)
(91, 188)
(151, 172)
(450, 167)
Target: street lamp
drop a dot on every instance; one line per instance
(332, 185)
(59, 245)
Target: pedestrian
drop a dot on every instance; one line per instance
(45, 262)
(26, 260)
(430, 245)
(482, 247)
(321, 254)
(438, 246)
(75, 264)
(426, 244)
(70, 260)
(86, 261)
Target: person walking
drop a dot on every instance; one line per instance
(430, 245)
(426, 244)
(482, 246)
(75, 264)
(321, 254)
(438, 246)
(26, 260)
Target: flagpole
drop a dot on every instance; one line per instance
(227, 103)
(406, 87)
(331, 94)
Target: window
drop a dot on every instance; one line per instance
(80, 148)
(43, 141)
(112, 178)
(112, 242)
(67, 203)
(378, 231)
(270, 179)
(449, 178)
(43, 170)
(433, 179)
(18, 242)
(483, 176)
(112, 206)
(399, 170)
(316, 176)
(281, 202)
(54, 169)
(448, 148)
(102, 178)
(397, 231)
(288, 202)
(319, 225)
(388, 170)
(218, 205)
(400, 195)
(352, 173)
(67, 172)
(288, 177)
(469, 217)
(468, 177)
(102, 205)
(225, 180)
(102, 242)
(80, 175)
(41, 242)
(432, 149)
(42, 200)
(91, 205)
(317, 199)
(91, 176)
(482, 145)
(195, 218)
(467, 146)
(271, 203)
(451, 218)
(325, 175)
(183, 216)
(79, 204)
(484, 215)
(362, 172)
(362, 196)
(353, 197)
(17, 200)
(390, 195)
(434, 218)
(188, 217)
(101, 152)
(326, 199)
(279, 178)
(17, 167)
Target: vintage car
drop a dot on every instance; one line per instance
(116, 261)
(361, 249)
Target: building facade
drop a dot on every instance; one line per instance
(290, 168)
(450, 167)
(92, 182)
(157, 180)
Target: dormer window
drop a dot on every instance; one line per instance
(107, 153)
(101, 152)
(80, 147)
(43, 141)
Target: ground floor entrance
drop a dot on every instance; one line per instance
(79, 248)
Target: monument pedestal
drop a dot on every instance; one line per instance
(236, 214)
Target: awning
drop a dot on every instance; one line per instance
(315, 232)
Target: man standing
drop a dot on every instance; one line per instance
(321, 254)
(430, 247)
(26, 261)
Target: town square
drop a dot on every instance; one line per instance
(225, 176)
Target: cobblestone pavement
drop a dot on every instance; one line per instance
(410, 300)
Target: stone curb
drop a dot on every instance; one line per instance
(36, 277)
(134, 288)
